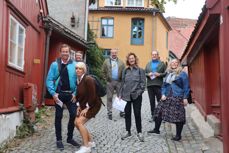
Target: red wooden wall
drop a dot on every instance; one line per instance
(12, 80)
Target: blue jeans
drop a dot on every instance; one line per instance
(66, 99)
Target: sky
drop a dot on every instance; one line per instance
(184, 9)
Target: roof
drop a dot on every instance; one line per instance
(200, 18)
(51, 23)
(180, 34)
(132, 9)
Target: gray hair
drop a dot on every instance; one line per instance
(82, 65)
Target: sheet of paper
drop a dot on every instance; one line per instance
(119, 104)
(59, 102)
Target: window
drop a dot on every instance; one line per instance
(135, 3)
(137, 32)
(113, 3)
(107, 27)
(106, 53)
(16, 44)
(72, 55)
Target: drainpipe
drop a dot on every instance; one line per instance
(86, 19)
(154, 30)
(48, 31)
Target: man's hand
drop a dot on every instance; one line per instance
(150, 74)
(156, 74)
(55, 97)
(73, 98)
(163, 98)
(185, 102)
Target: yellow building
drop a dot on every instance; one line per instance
(131, 26)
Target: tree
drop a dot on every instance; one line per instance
(94, 56)
(160, 4)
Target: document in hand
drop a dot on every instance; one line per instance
(59, 102)
(119, 104)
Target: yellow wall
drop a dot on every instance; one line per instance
(122, 35)
(160, 39)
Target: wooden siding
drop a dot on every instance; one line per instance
(12, 80)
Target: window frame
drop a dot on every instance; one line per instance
(18, 26)
(114, 3)
(107, 55)
(137, 41)
(134, 4)
(107, 25)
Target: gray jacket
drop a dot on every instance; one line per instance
(133, 83)
(107, 71)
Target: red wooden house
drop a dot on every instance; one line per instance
(207, 57)
(22, 57)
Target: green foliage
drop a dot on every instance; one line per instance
(160, 4)
(94, 56)
(26, 129)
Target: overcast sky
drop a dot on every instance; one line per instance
(184, 9)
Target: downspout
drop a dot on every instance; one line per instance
(86, 26)
(86, 19)
(154, 30)
(48, 31)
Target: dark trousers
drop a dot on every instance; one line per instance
(152, 92)
(59, 115)
(179, 126)
(137, 104)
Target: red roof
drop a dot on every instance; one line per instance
(180, 34)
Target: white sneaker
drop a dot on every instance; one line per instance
(92, 144)
(84, 149)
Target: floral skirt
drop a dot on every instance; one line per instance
(171, 110)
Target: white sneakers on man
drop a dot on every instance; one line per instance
(84, 149)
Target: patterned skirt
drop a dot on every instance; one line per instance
(171, 110)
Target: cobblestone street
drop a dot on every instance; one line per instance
(107, 136)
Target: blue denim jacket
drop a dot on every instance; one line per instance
(179, 87)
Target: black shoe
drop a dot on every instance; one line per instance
(176, 138)
(73, 142)
(60, 145)
(110, 117)
(128, 134)
(154, 131)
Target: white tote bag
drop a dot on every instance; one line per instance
(119, 104)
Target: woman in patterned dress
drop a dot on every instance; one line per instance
(175, 91)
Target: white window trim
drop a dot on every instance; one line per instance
(18, 25)
(72, 54)
(113, 5)
(134, 4)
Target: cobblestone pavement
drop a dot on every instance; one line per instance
(107, 135)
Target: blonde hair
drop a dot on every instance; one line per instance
(82, 65)
(177, 70)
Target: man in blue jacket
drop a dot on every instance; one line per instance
(61, 84)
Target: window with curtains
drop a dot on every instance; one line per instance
(16, 44)
(107, 27)
(137, 31)
(113, 2)
(135, 3)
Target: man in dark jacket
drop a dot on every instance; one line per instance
(155, 71)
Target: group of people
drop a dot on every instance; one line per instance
(68, 82)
